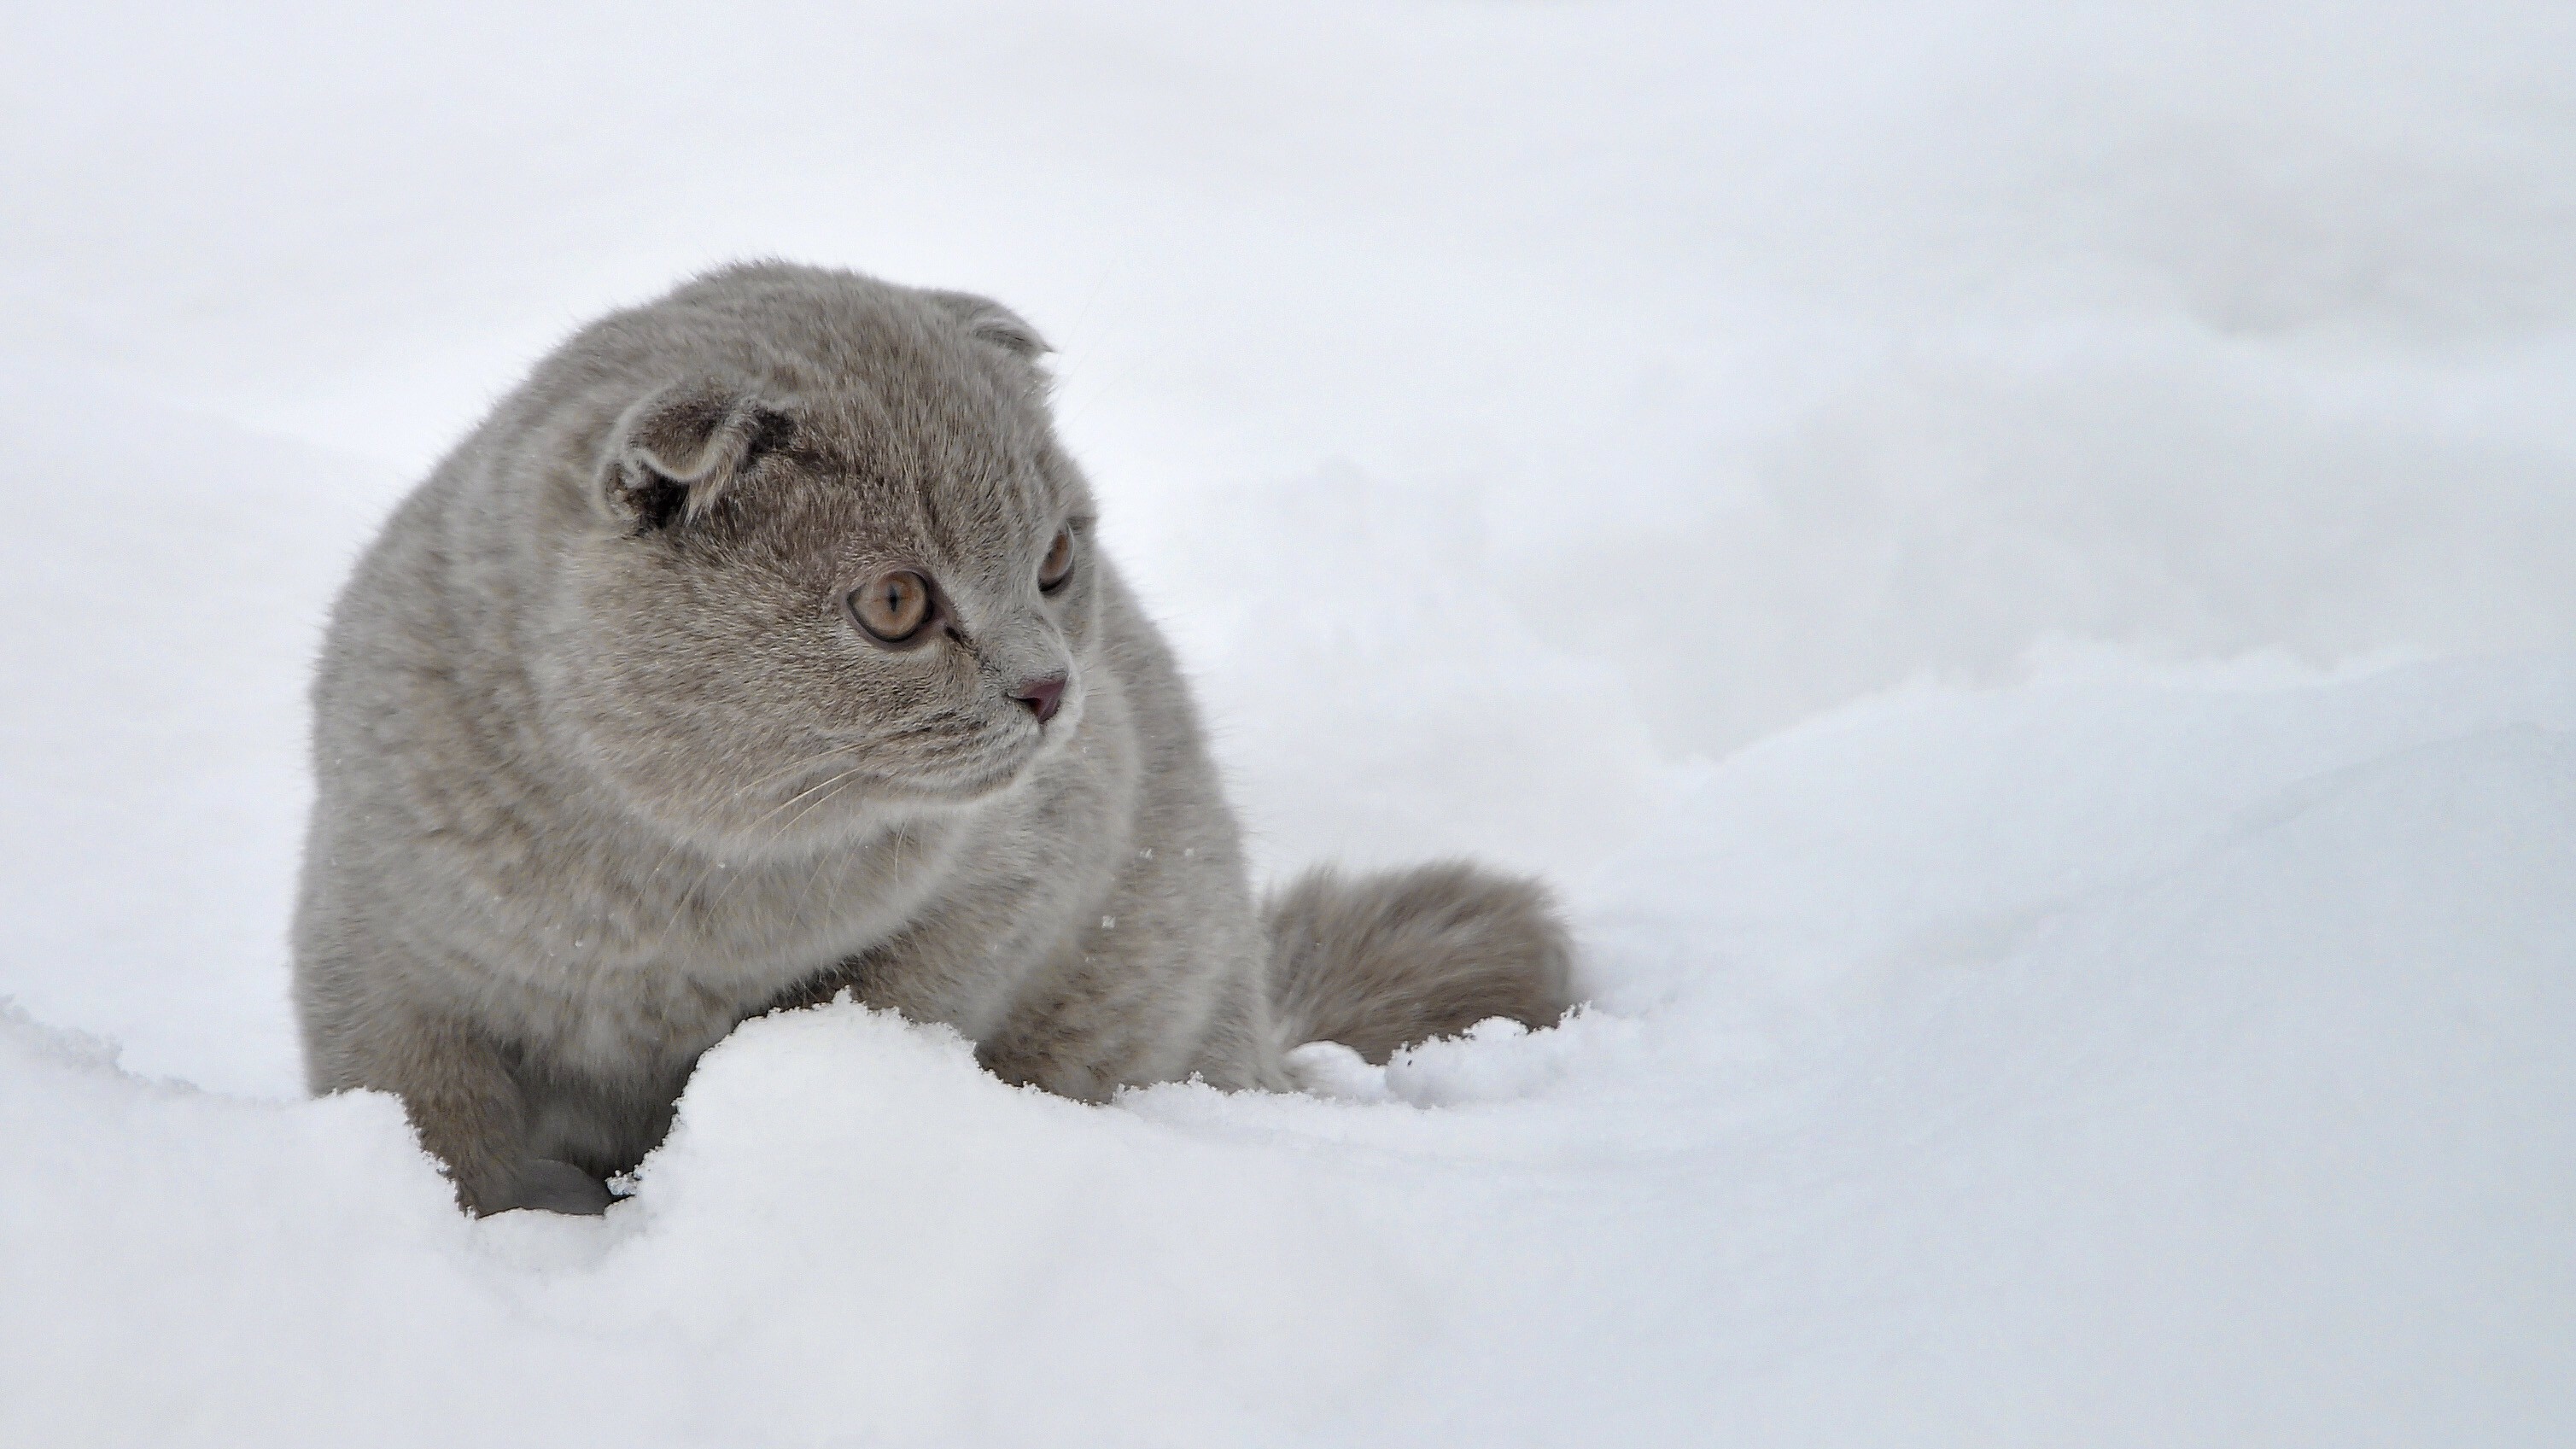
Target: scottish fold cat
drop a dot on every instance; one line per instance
(763, 645)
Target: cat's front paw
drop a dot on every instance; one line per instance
(549, 1185)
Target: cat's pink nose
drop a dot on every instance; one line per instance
(1040, 695)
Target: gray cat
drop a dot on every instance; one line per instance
(761, 646)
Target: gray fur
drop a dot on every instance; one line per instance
(1410, 955)
(605, 766)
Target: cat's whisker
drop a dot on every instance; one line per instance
(705, 815)
(680, 904)
(830, 788)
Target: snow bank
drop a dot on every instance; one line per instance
(2111, 1062)
(2011, 557)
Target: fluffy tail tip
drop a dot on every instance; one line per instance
(1378, 961)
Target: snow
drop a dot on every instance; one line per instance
(2011, 560)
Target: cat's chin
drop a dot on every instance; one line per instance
(968, 786)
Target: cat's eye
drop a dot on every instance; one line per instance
(893, 606)
(1057, 566)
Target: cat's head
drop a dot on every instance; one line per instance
(829, 557)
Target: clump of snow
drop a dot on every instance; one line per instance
(2009, 559)
(1495, 1060)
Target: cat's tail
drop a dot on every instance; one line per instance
(1377, 961)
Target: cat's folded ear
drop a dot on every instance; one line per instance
(990, 321)
(677, 450)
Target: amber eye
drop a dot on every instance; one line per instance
(893, 607)
(1057, 566)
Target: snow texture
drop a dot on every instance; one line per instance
(2012, 559)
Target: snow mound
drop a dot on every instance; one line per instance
(2240, 1118)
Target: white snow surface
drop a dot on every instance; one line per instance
(2011, 560)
